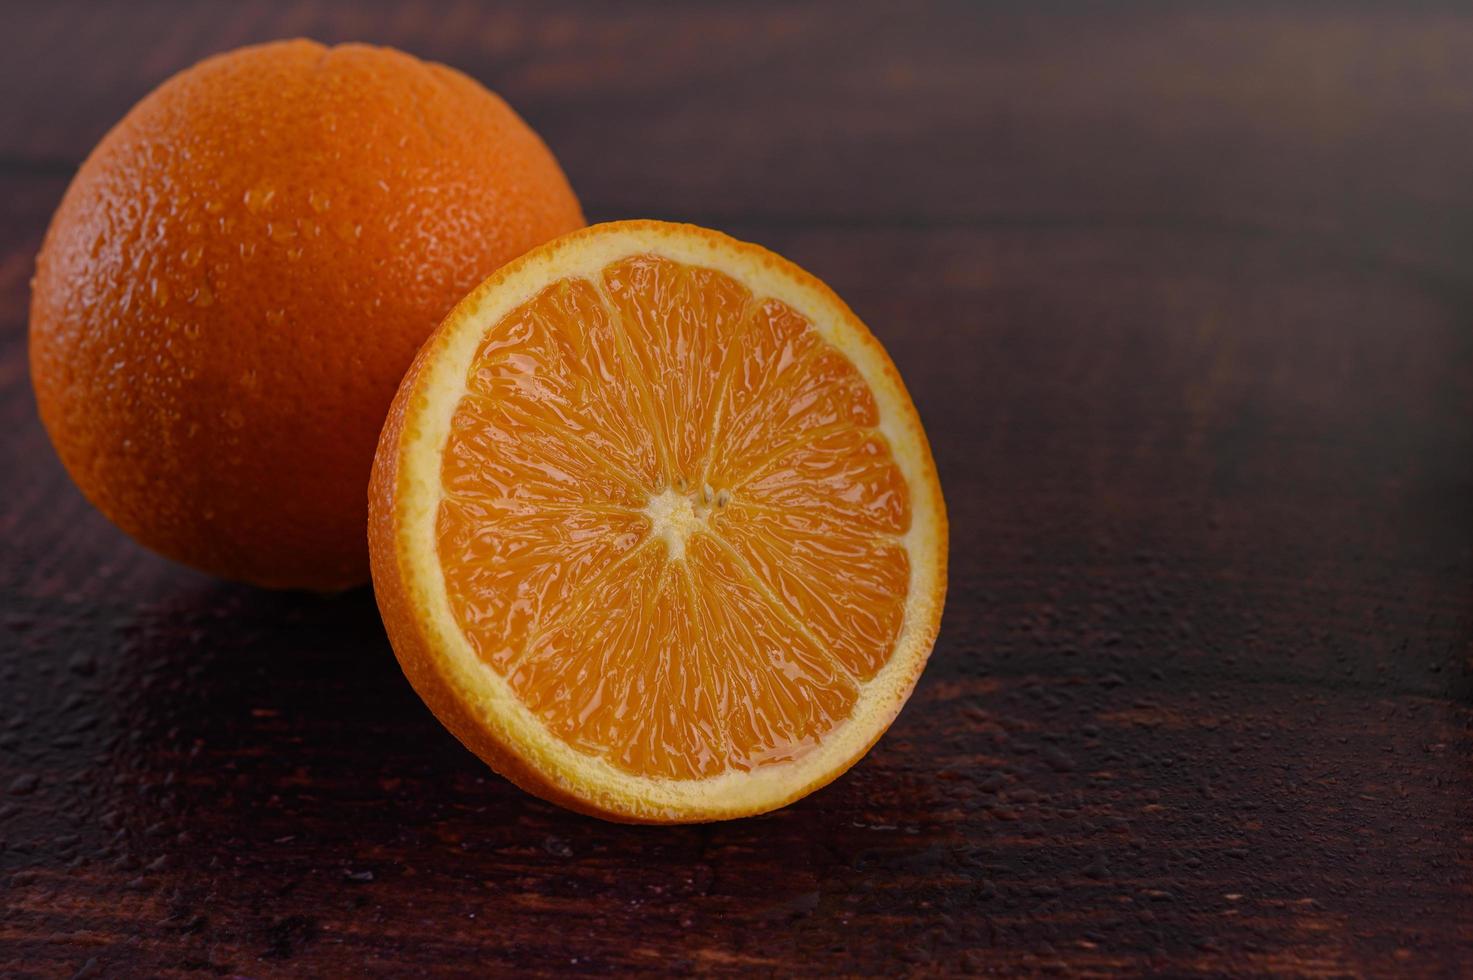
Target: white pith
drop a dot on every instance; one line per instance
(673, 518)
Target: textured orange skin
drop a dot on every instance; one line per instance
(400, 601)
(213, 361)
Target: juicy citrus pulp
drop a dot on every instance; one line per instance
(655, 527)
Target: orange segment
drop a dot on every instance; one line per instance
(655, 528)
(680, 322)
(783, 692)
(850, 588)
(556, 358)
(787, 385)
(510, 566)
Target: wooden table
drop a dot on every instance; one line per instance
(1185, 298)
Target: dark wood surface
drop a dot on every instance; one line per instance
(1184, 294)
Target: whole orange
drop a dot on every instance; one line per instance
(241, 272)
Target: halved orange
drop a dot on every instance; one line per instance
(655, 529)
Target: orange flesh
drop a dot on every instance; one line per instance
(670, 522)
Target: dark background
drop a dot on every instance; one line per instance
(1184, 294)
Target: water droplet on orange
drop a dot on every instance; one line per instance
(202, 295)
(319, 201)
(258, 198)
(191, 255)
(294, 253)
(214, 207)
(191, 330)
(275, 317)
(280, 232)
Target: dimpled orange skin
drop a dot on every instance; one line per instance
(241, 272)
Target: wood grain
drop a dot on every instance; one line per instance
(1183, 294)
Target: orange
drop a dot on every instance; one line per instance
(655, 528)
(238, 277)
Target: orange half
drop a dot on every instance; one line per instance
(655, 529)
